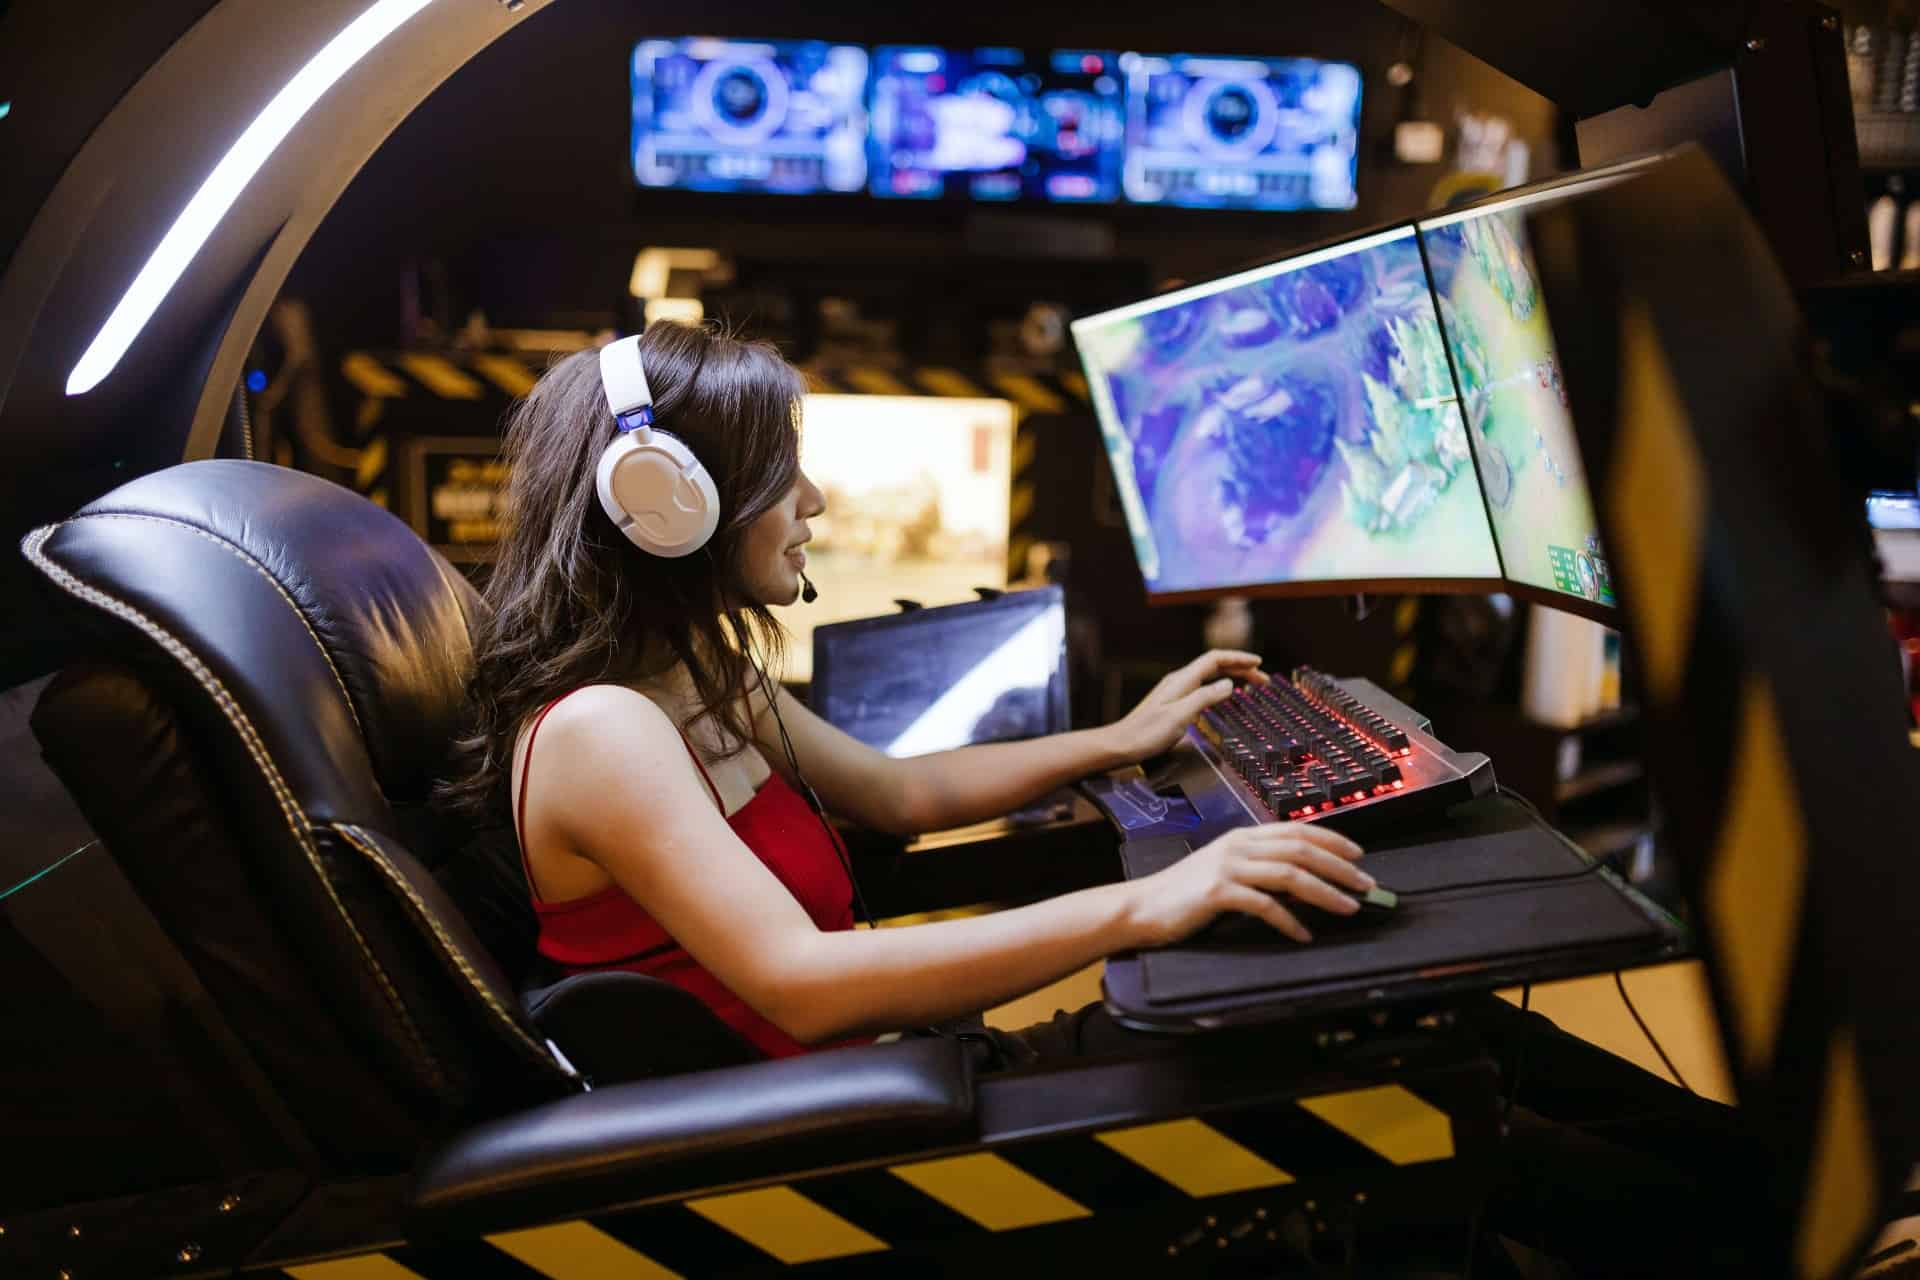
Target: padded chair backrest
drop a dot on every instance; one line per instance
(275, 667)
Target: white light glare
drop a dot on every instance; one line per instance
(223, 186)
(1033, 649)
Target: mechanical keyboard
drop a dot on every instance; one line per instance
(1304, 748)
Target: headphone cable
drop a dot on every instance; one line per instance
(807, 792)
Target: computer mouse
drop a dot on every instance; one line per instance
(1377, 905)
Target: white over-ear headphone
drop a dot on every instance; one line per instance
(650, 484)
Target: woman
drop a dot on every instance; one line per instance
(661, 825)
(652, 774)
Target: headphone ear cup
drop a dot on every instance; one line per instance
(657, 493)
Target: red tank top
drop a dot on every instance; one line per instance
(609, 930)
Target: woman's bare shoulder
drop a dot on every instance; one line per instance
(613, 707)
(605, 713)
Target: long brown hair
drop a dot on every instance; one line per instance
(571, 602)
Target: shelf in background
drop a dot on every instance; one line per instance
(1864, 279)
(1888, 139)
(1597, 778)
(1599, 722)
(1608, 839)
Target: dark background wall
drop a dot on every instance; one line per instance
(515, 174)
(510, 192)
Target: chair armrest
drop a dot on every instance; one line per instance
(616, 1027)
(616, 1146)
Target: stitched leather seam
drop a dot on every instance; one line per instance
(368, 845)
(218, 541)
(296, 820)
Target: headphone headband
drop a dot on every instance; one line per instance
(625, 380)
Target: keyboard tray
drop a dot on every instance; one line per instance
(1432, 936)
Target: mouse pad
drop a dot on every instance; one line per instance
(1426, 932)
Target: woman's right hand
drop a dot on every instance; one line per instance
(1249, 870)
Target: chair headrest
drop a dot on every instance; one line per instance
(315, 652)
(320, 610)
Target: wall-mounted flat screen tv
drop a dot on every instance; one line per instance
(784, 116)
(996, 124)
(1000, 124)
(1249, 133)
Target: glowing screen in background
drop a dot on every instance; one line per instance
(1524, 444)
(945, 679)
(917, 506)
(1293, 423)
(1253, 133)
(996, 124)
(784, 116)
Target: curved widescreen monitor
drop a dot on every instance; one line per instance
(1291, 429)
(1386, 413)
(996, 124)
(1248, 133)
(782, 116)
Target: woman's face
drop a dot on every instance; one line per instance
(771, 553)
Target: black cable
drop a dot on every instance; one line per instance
(1503, 881)
(807, 792)
(1647, 1031)
(1593, 864)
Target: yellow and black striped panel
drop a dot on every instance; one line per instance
(1043, 391)
(1021, 495)
(1753, 880)
(1342, 1136)
(407, 388)
(1751, 618)
(410, 393)
(1406, 651)
(437, 375)
(477, 376)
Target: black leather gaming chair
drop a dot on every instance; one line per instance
(266, 672)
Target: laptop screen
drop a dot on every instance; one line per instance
(934, 679)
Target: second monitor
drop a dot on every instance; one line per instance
(1508, 372)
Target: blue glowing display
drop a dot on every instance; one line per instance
(1255, 133)
(996, 124)
(1063, 126)
(783, 116)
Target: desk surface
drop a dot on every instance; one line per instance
(997, 861)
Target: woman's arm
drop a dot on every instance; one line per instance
(613, 784)
(971, 784)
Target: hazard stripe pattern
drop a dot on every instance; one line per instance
(861, 1212)
(1714, 546)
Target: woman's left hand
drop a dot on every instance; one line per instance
(1177, 701)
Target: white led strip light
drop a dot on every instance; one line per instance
(224, 185)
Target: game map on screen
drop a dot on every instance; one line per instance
(1523, 436)
(1294, 423)
(996, 124)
